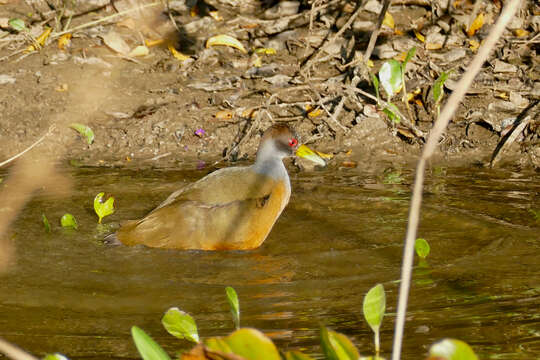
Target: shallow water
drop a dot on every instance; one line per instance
(340, 235)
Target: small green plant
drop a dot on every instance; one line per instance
(69, 221)
(374, 307)
(46, 223)
(438, 90)
(422, 248)
(180, 324)
(103, 208)
(392, 79)
(232, 297)
(84, 131)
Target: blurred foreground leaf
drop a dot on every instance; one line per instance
(68, 221)
(85, 131)
(337, 346)
(55, 356)
(180, 324)
(297, 355)
(250, 344)
(147, 347)
(102, 208)
(232, 297)
(451, 349)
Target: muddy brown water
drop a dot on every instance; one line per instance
(340, 235)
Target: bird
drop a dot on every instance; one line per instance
(232, 208)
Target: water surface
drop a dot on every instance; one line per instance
(340, 235)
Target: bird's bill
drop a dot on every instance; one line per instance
(306, 153)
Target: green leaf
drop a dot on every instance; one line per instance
(55, 356)
(438, 86)
(180, 324)
(337, 346)
(376, 86)
(374, 306)
(84, 131)
(46, 223)
(422, 248)
(410, 55)
(390, 77)
(68, 220)
(250, 344)
(17, 24)
(101, 208)
(452, 349)
(232, 297)
(147, 347)
(392, 112)
(297, 355)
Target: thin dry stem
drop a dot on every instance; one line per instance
(438, 128)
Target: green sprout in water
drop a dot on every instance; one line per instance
(68, 221)
(147, 347)
(374, 307)
(180, 324)
(84, 131)
(232, 297)
(422, 248)
(103, 208)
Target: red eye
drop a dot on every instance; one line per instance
(293, 142)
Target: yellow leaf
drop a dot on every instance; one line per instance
(224, 115)
(177, 54)
(140, 50)
(501, 95)
(64, 41)
(151, 43)
(40, 40)
(265, 51)
(389, 20)
(401, 57)
(370, 64)
(521, 33)
(476, 25)
(257, 61)
(419, 36)
(431, 46)
(225, 40)
(313, 112)
(194, 11)
(398, 32)
(215, 15)
(474, 45)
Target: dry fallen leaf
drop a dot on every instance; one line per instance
(224, 115)
(430, 46)
(215, 15)
(312, 112)
(349, 164)
(474, 45)
(177, 54)
(521, 33)
(419, 36)
(40, 40)
(476, 25)
(225, 40)
(150, 43)
(140, 50)
(115, 42)
(389, 20)
(64, 41)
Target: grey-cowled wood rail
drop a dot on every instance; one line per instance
(230, 209)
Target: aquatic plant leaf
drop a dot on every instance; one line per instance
(85, 131)
(226, 40)
(232, 297)
(46, 223)
(68, 221)
(390, 77)
(337, 346)
(438, 86)
(451, 349)
(250, 344)
(147, 347)
(180, 324)
(55, 356)
(103, 208)
(297, 355)
(17, 24)
(422, 248)
(374, 306)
